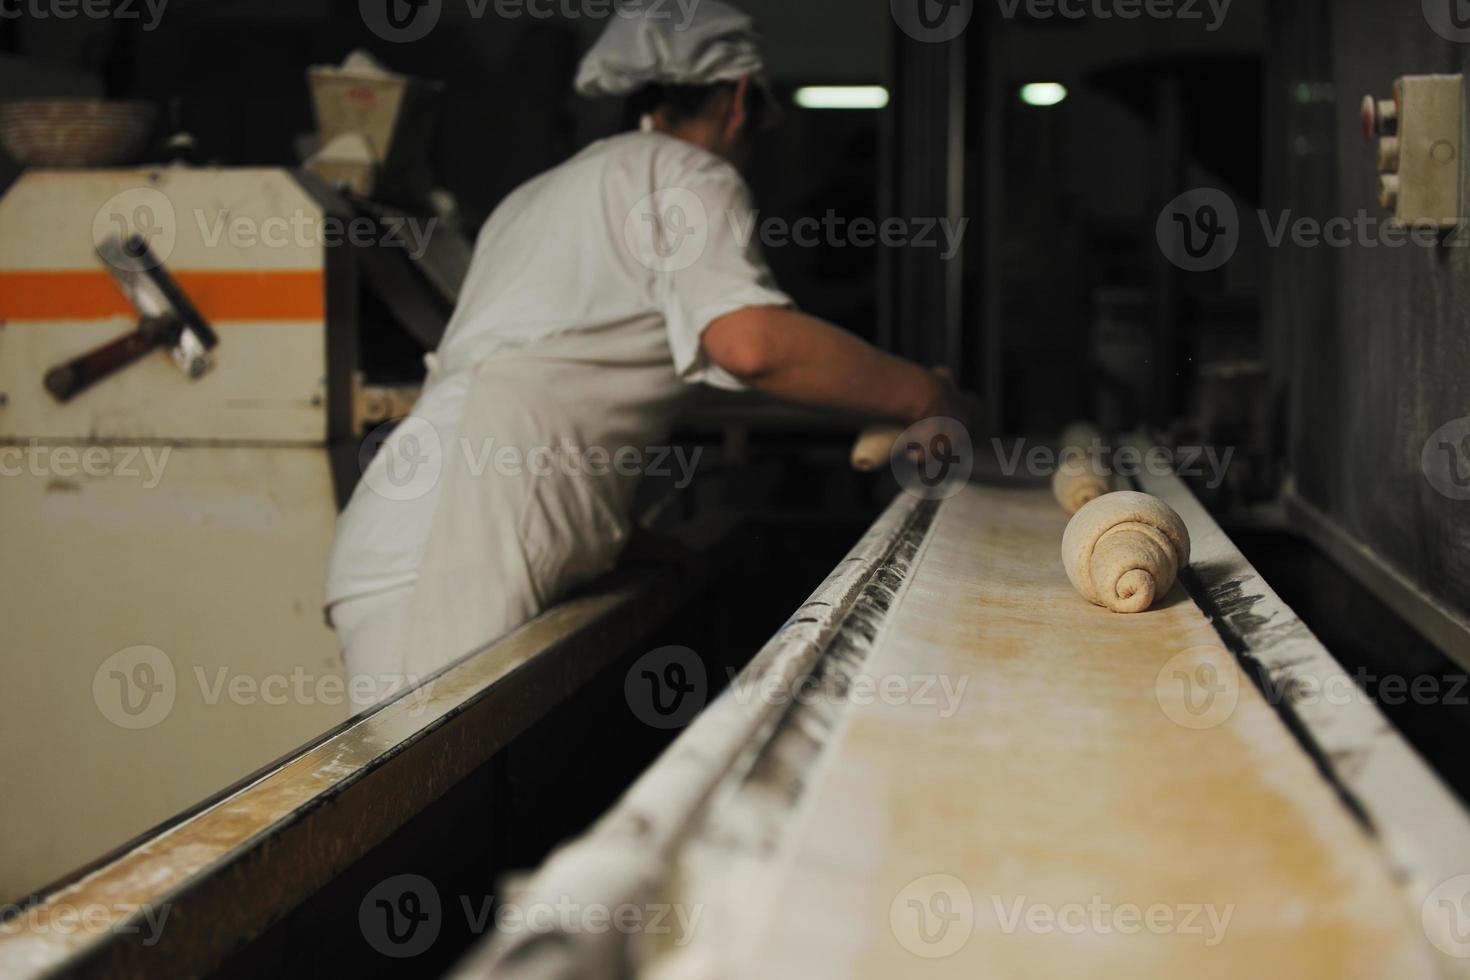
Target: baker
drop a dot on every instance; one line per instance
(599, 293)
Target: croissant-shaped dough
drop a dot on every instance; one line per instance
(1081, 435)
(1081, 476)
(1124, 550)
(873, 447)
(1080, 479)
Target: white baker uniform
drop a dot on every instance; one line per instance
(576, 335)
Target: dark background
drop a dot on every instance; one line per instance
(1326, 369)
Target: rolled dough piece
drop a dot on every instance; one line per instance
(1080, 479)
(1081, 476)
(1124, 550)
(873, 447)
(1082, 435)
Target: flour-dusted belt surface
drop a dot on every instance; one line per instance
(948, 763)
(1076, 779)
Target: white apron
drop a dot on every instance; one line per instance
(531, 501)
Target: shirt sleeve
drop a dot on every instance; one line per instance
(710, 265)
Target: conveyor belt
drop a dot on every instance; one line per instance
(1026, 786)
(1079, 784)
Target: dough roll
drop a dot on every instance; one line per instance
(874, 446)
(1124, 550)
(1081, 475)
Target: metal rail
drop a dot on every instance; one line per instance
(223, 873)
(628, 856)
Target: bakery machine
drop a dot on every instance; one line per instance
(187, 368)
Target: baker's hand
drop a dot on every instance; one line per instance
(949, 401)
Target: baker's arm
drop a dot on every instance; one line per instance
(801, 359)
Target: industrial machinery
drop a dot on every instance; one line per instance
(944, 763)
(168, 406)
(189, 359)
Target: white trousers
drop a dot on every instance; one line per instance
(371, 631)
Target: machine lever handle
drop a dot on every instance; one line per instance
(66, 381)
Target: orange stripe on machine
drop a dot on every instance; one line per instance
(283, 294)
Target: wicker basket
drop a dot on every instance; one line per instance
(75, 132)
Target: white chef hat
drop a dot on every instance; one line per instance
(661, 43)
